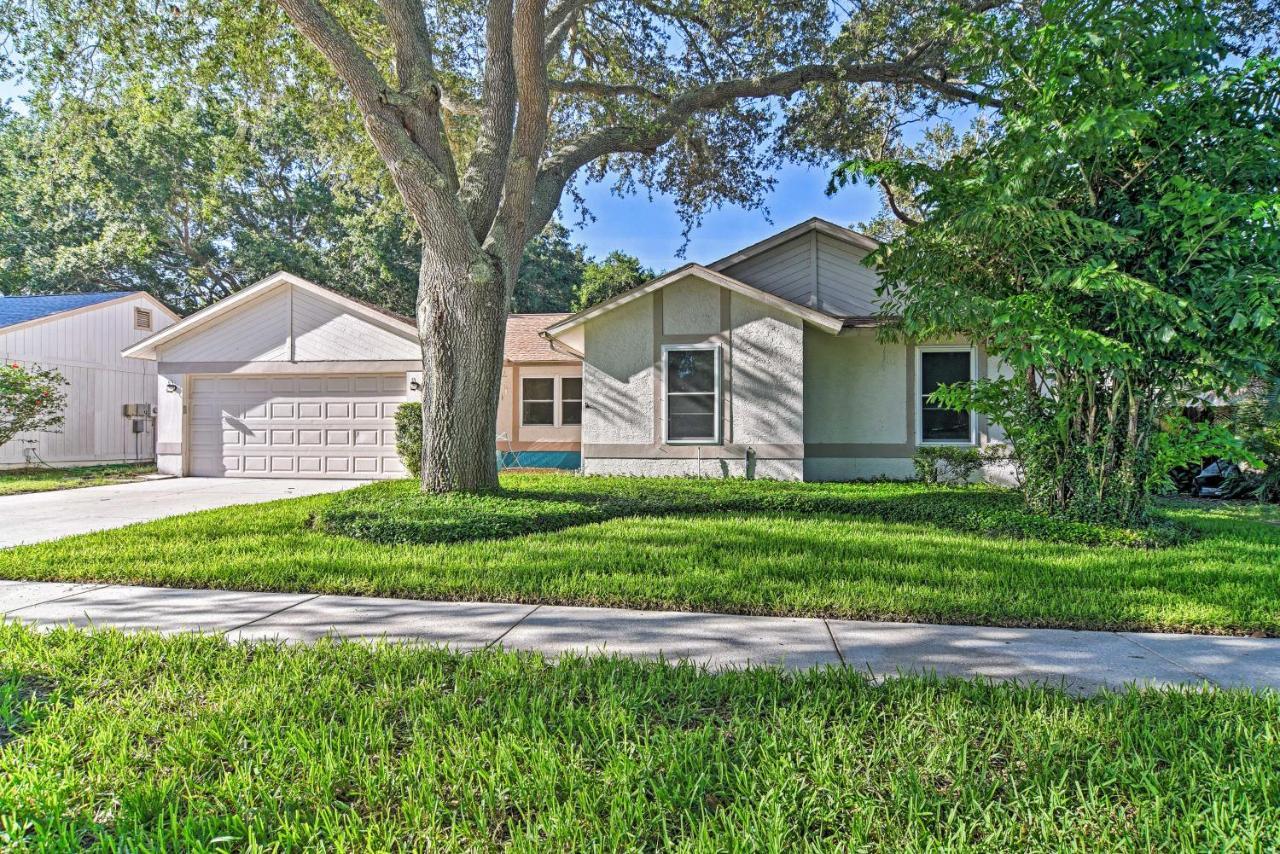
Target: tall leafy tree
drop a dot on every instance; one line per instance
(1114, 243)
(608, 277)
(550, 273)
(154, 188)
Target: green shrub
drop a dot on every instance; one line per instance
(948, 464)
(409, 437)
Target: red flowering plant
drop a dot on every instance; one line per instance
(31, 398)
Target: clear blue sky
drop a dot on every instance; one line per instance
(651, 230)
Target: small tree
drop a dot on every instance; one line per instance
(602, 280)
(1114, 243)
(30, 399)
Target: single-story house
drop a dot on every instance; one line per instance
(290, 379)
(764, 363)
(110, 399)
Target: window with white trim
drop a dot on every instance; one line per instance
(538, 401)
(142, 319)
(692, 388)
(571, 400)
(943, 366)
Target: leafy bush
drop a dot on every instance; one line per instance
(946, 464)
(396, 512)
(409, 437)
(31, 398)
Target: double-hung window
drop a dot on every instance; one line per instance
(692, 383)
(571, 400)
(550, 401)
(538, 401)
(943, 366)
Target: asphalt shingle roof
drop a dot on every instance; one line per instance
(524, 344)
(21, 309)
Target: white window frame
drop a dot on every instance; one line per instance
(919, 393)
(555, 399)
(718, 393)
(560, 400)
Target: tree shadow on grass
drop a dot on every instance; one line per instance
(398, 513)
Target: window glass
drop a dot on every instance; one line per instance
(538, 401)
(943, 367)
(692, 392)
(571, 400)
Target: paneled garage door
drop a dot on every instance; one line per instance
(340, 426)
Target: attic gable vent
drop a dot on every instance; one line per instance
(142, 319)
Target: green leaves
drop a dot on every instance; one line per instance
(31, 398)
(1115, 240)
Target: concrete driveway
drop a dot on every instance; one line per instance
(40, 516)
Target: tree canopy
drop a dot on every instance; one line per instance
(1113, 243)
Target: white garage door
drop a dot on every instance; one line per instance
(340, 426)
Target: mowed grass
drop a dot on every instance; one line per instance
(134, 742)
(869, 551)
(18, 481)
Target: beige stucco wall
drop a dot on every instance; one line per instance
(856, 389)
(762, 363)
(617, 377)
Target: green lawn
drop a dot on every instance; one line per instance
(878, 551)
(130, 743)
(17, 481)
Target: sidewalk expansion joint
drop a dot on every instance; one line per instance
(511, 628)
(92, 589)
(1142, 646)
(272, 614)
(834, 645)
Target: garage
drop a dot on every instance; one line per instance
(340, 426)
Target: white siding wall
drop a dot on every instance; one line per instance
(85, 348)
(762, 390)
(324, 332)
(257, 331)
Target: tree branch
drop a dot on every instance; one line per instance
(560, 20)
(510, 229)
(892, 201)
(482, 184)
(592, 89)
(415, 71)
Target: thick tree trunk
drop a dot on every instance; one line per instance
(462, 313)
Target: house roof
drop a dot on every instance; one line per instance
(821, 319)
(714, 273)
(24, 309)
(525, 342)
(818, 224)
(146, 348)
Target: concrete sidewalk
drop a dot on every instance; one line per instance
(1082, 662)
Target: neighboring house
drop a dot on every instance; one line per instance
(765, 363)
(81, 336)
(290, 379)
